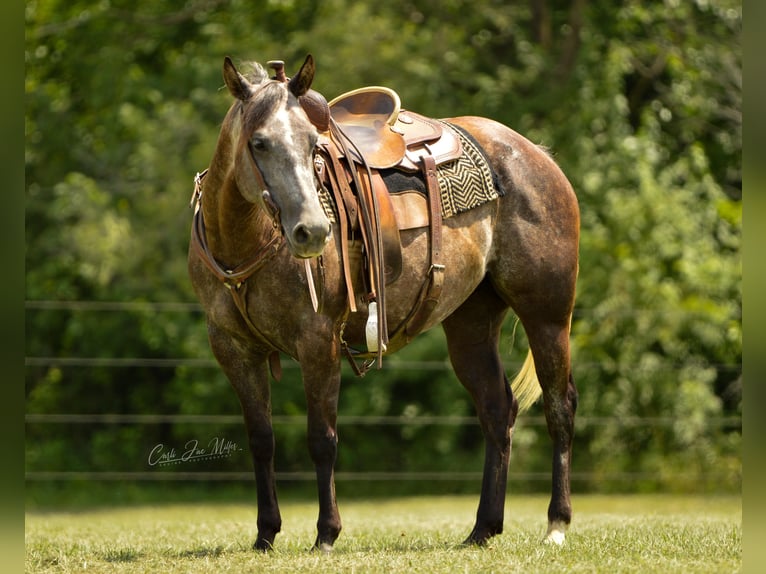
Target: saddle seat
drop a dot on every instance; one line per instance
(385, 136)
(366, 116)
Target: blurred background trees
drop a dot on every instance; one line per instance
(640, 103)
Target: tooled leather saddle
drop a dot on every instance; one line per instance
(361, 133)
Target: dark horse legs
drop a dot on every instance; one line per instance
(321, 381)
(249, 376)
(550, 342)
(473, 333)
(248, 372)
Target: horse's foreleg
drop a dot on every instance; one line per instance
(249, 376)
(473, 333)
(321, 379)
(550, 347)
(261, 442)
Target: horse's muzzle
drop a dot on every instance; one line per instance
(309, 239)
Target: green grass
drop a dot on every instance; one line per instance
(640, 533)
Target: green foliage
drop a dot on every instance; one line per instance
(639, 103)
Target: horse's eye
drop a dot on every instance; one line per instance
(259, 144)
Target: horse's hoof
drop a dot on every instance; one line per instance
(480, 535)
(323, 547)
(263, 545)
(475, 540)
(556, 533)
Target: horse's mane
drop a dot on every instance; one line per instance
(268, 97)
(255, 72)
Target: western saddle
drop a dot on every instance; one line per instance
(361, 133)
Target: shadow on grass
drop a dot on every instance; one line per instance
(122, 555)
(205, 552)
(386, 546)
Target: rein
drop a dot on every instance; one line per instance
(235, 279)
(232, 278)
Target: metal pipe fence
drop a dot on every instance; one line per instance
(364, 421)
(343, 421)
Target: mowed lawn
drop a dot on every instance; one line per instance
(638, 533)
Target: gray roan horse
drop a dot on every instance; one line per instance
(260, 220)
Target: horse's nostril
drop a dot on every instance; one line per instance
(301, 234)
(309, 239)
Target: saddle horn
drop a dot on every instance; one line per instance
(312, 102)
(279, 70)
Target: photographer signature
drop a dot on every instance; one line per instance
(192, 451)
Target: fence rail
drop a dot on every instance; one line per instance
(209, 362)
(194, 307)
(404, 476)
(343, 476)
(174, 362)
(357, 420)
(529, 421)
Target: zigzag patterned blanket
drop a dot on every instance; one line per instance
(465, 183)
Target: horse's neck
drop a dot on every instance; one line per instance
(235, 227)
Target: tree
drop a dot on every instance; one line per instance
(640, 104)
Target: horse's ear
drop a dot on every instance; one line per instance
(301, 82)
(238, 85)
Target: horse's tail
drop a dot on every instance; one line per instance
(525, 386)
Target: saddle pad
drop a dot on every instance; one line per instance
(465, 183)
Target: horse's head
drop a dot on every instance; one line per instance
(274, 155)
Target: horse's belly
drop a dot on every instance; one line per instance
(464, 254)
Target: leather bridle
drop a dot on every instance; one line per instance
(235, 279)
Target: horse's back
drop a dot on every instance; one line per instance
(535, 242)
(525, 170)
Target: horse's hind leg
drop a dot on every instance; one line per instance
(549, 342)
(473, 333)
